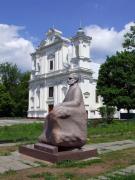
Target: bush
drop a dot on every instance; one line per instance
(107, 113)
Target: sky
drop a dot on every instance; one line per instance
(23, 25)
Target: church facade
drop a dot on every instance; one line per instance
(52, 62)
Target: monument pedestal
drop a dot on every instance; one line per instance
(53, 154)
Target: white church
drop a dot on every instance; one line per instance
(52, 62)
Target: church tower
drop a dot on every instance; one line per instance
(81, 49)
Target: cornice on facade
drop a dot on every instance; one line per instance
(50, 46)
(80, 58)
(61, 73)
(53, 31)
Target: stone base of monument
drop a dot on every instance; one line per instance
(54, 154)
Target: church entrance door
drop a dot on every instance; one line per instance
(50, 107)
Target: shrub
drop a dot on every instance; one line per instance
(107, 113)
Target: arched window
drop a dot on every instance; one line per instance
(51, 58)
(51, 92)
(77, 51)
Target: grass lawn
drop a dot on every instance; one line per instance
(118, 130)
(21, 132)
(101, 133)
(76, 170)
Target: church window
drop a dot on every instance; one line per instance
(34, 64)
(32, 99)
(32, 102)
(38, 67)
(50, 107)
(77, 51)
(51, 64)
(51, 58)
(51, 91)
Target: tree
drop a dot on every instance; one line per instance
(6, 103)
(10, 77)
(15, 91)
(22, 95)
(129, 42)
(116, 82)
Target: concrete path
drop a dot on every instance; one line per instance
(8, 144)
(10, 122)
(113, 146)
(17, 161)
(113, 175)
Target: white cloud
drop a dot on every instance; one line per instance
(105, 41)
(14, 48)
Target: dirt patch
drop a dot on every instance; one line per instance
(7, 150)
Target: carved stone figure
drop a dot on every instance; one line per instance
(66, 124)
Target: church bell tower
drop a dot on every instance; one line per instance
(81, 45)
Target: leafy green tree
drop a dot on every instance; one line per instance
(15, 91)
(129, 42)
(116, 82)
(6, 103)
(10, 77)
(22, 95)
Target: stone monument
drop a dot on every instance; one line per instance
(66, 124)
(65, 129)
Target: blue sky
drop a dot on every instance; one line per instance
(37, 16)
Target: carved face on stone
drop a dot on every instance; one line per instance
(72, 79)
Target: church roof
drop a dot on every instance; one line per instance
(53, 36)
(81, 35)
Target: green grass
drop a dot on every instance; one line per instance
(118, 130)
(69, 175)
(6, 153)
(41, 164)
(8, 173)
(45, 175)
(130, 176)
(79, 164)
(21, 132)
(101, 133)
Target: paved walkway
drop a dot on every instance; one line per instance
(6, 122)
(114, 175)
(113, 146)
(17, 161)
